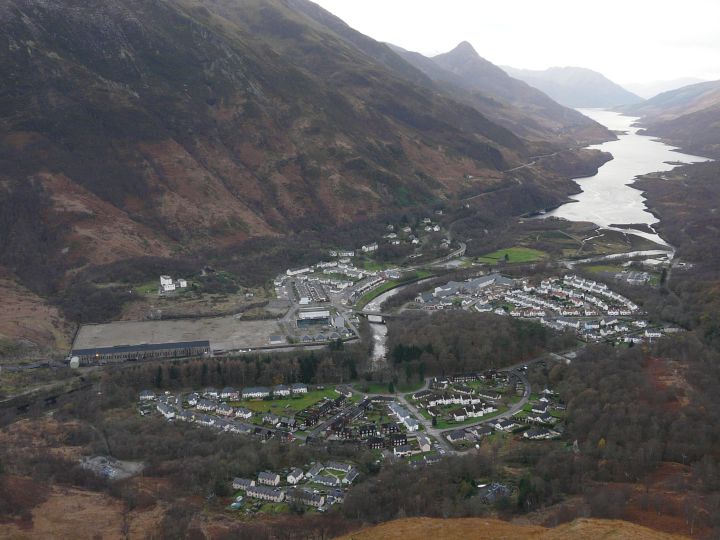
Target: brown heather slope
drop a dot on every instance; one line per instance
(688, 117)
(494, 529)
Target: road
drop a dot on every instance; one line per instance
(437, 433)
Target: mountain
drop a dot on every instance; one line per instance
(688, 117)
(168, 128)
(576, 87)
(652, 89)
(514, 104)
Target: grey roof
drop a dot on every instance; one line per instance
(119, 349)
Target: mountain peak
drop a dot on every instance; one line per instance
(465, 48)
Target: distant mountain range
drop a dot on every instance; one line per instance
(576, 87)
(652, 89)
(688, 117)
(463, 73)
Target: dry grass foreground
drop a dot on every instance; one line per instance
(481, 529)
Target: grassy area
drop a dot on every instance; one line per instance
(444, 424)
(418, 457)
(293, 404)
(511, 255)
(373, 266)
(274, 508)
(383, 388)
(151, 287)
(600, 268)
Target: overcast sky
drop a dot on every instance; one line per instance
(627, 40)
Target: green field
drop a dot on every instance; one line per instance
(599, 268)
(444, 424)
(514, 255)
(287, 405)
(383, 388)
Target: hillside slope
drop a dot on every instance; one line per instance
(152, 126)
(168, 128)
(494, 529)
(514, 104)
(576, 87)
(688, 117)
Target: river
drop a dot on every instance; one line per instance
(607, 198)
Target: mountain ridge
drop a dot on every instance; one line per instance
(576, 87)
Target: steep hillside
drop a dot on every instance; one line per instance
(576, 87)
(171, 127)
(649, 90)
(688, 117)
(492, 529)
(150, 126)
(514, 104)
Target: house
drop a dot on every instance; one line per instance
(211, 393)
(268, 478)
(258, 392)
(265, 493)
(351, 476)
(482, 431)
(281, 390)
(539, 434)
(489, 493)
(147, 395)
(242, 483)
(330, 481)
(376, 443)
(185, 416)
(242, 412)
(192, 399)
(305, 497)
(205, 420)
(369, 247)
(315, 470)
(335, 466)
(344, 390)
(504, 425)
(540, 408)
(335, 496)
(403, 450)
(230, 394)
(396, 439)
(389, 427)
(295, 476)
(424, 442)
(225, 410)
(298, 388)
(459, 415)
(166, 284)
(271, 418)
(240, 429)
(206, 405)
(166, 410)
(182, 283)
(298, 271)
(456, 435)
(366, 430)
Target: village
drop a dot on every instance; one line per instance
(588, 307)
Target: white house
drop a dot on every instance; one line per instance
(295, 476)
(269, 478)
(167, 284)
